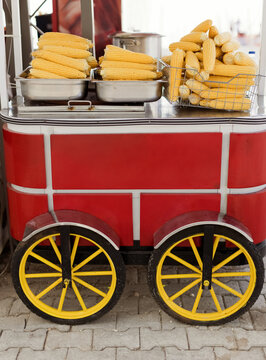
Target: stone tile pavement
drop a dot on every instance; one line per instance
(135, 329)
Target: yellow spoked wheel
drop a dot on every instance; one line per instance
(68, 275)
(206, 275)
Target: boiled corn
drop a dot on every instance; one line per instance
(125, 64)
(222, 38)
(202, 76)
(213, 32)
(230, 46)
(228, 82)
(184, 45)
(177, 60)
(92, 62)
(64, 37)
(58, 69)
(115, 53)
(192, 64)
(196, 37)
(220, 93)
(184, 92)
(199, 55)
(196, 86)
(79, 64)
(41, 74)
(228, 58)
(67, 51)
(209, 55)
(166, 59)
(194, 99)
(58, 42)
(233, 70)
(240, 58)
(203, 26)
(237, 105)
(127, 74)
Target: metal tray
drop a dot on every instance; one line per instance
(117, 91)
(52, 89)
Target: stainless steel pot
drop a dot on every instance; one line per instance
(147, 43)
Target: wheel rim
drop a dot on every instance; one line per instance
(79, 308)
(193, 276)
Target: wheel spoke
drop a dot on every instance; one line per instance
(74, 250)
(49, 288)
(183, 262)
(42, 275)
(45, 261)
(62, 298)
(74, 286)
(88, 259)
(180, 276)
(215, 245)
(90, 287)
(56, 250)
(215, 300)
(196, 303)
(93, 273)
(196, 253)
(229, 274)
(227, 260)
(228, 288)
(185, 289)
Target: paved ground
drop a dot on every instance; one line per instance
(135, 329)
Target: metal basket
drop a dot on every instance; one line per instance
(237, 94)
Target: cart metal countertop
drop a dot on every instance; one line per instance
(155, 113)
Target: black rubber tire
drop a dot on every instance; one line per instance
(221, 230)
(112, 252)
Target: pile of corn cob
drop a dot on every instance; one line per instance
(122, 64)
(205, 70)
(62, 56)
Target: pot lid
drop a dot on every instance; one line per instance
(134, 35)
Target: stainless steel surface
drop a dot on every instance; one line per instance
(146, 43)
(52, 89)
(117, 91)
(158, 113)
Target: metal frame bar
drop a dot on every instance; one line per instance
(3, 75)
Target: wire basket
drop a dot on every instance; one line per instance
(187, 87)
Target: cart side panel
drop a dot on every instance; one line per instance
(114, 209)
(24, 159)
(136, 161)
(247, 162)
(157, 209)
(22, 208)
(250, 209)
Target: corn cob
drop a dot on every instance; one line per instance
(222, 38)
(203, 26)
(116, 53)
(58, 69)
(199, 55)
(195, 37)
(221, 93)
(79, 64)
(88, 72)
(101, 59)
(127, 74)
(41, 74)
(237, 105)
(192, 64)
(213, 32)
(70, 52)
(176, 64)
(125, 64)
(209, 55)
(92, 62)
(233, 70)
(64, 37)
(228, 58)
(166, 59)
(230, 46)
(205, 102)
(228, 82)
(218, 51)
(241, 58)
(194, 99)
(196, 86)
(202, 76)
(184, 92)
(58, 42)
(184, 45)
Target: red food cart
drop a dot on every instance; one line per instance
(92, 188)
